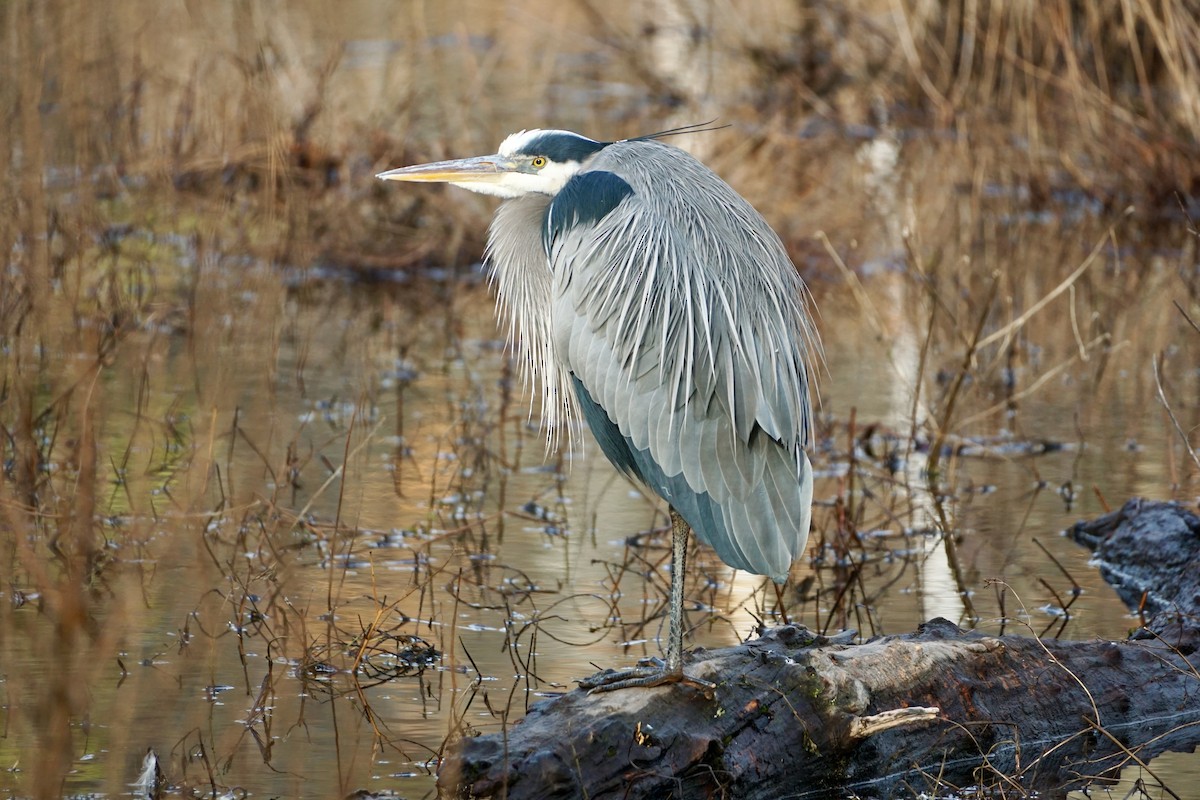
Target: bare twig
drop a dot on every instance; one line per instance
(1162, 398)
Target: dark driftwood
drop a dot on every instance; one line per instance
(802, 716)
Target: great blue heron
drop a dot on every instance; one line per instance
(644, 292)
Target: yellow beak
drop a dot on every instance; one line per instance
(480, 168)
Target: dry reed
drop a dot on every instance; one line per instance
(142, 137)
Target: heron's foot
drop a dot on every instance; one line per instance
(648, 672)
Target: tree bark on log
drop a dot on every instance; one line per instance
(799, 715)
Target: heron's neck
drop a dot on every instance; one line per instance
(520, 273)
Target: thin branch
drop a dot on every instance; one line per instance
(1162, 398)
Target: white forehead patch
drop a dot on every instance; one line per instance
(514, 142)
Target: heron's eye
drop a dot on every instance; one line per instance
(538, 162)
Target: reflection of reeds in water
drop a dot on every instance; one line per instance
(141, 138)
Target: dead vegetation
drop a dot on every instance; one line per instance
(190, 397)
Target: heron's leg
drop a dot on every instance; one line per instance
(654, 671)
(679, 548)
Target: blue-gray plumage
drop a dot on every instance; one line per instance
(586, 199)
(644, 294)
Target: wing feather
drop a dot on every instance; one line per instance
(684, 323)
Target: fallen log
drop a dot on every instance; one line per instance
(800, 715)
(1149, 552)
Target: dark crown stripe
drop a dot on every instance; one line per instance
(562, 147)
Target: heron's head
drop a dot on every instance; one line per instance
(527, 162)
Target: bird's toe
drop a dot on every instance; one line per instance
(649, 672)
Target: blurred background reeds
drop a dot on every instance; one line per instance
(272, 503)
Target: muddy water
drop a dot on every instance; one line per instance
(323, 474)
(332, 535)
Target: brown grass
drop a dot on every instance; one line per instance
(241, 144)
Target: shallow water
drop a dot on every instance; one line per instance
(332, 537)
(332, 464)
